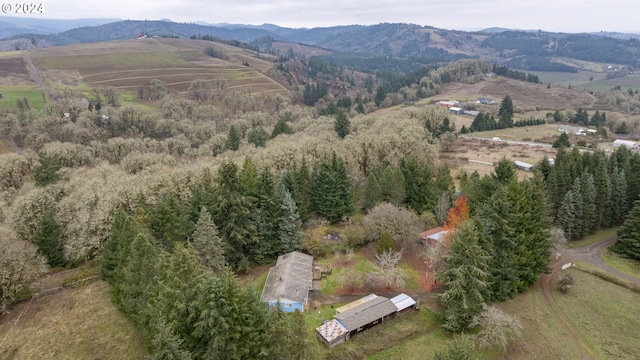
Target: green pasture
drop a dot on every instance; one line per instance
(10, 95)
(606, 314)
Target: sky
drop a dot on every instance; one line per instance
(549, 15)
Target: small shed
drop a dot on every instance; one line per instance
(524, 166)
(332, 333)
(471, 113)
(404, 303)
(456, 110)
(433, 236)
(626, 143)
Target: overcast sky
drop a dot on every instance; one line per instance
(551, 15)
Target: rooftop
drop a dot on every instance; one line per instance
(331, 330)
(366, 313)
(290, 278)
(403, 301)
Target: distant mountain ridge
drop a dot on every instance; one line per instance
(534, 50)
(13, 25)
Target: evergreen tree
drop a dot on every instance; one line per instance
(566, 215)
(578, 210)
(229, 323)
(48, 240)
(290, 226)
(372, 192)
(258, 137)
(444, 182)
(124, 226)
(233, 139)
(504, 171)
(497, 214)
(419, 185)
(303, 190)
(618, 201)
(466, 279)
(628, 243)
(232, 214)
(342, 124)
(169, 222)
(603, 187)
(562, 141)
(385, 244)
(505, 113)
(208, 244)
(173, 289)
(166, 345)
(138, 278)
(267, 215)
(588, 190)
(392, 185)
(248, 178)
(47, 171)
(331, 189)
(281, 127)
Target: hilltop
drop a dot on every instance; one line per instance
(525, 50)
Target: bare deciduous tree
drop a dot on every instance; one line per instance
(442, 207)
(434, 254)
(387, 267)
(498, 328)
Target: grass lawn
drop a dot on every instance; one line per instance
(597, 236)
(627, 266)
(606, 314)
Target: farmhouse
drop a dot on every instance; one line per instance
(289, 282)
(456, 110)
(362, 314)
(524, 166)
(433, 236)
(485, 101)
(626, 143)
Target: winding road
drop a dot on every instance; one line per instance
(588, 254)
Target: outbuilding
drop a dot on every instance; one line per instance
(626, 143)
(456, 110)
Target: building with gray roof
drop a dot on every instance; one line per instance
(289, 282)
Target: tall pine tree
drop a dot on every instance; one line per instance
(466, 279)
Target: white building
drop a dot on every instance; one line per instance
(626, 143)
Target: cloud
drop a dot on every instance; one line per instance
(553, 15)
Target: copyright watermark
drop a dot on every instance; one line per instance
(22, 8)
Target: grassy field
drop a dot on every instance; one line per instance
(11, 94)
(125, 65)
(76, 323)
(606, 314)
(627, 266)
